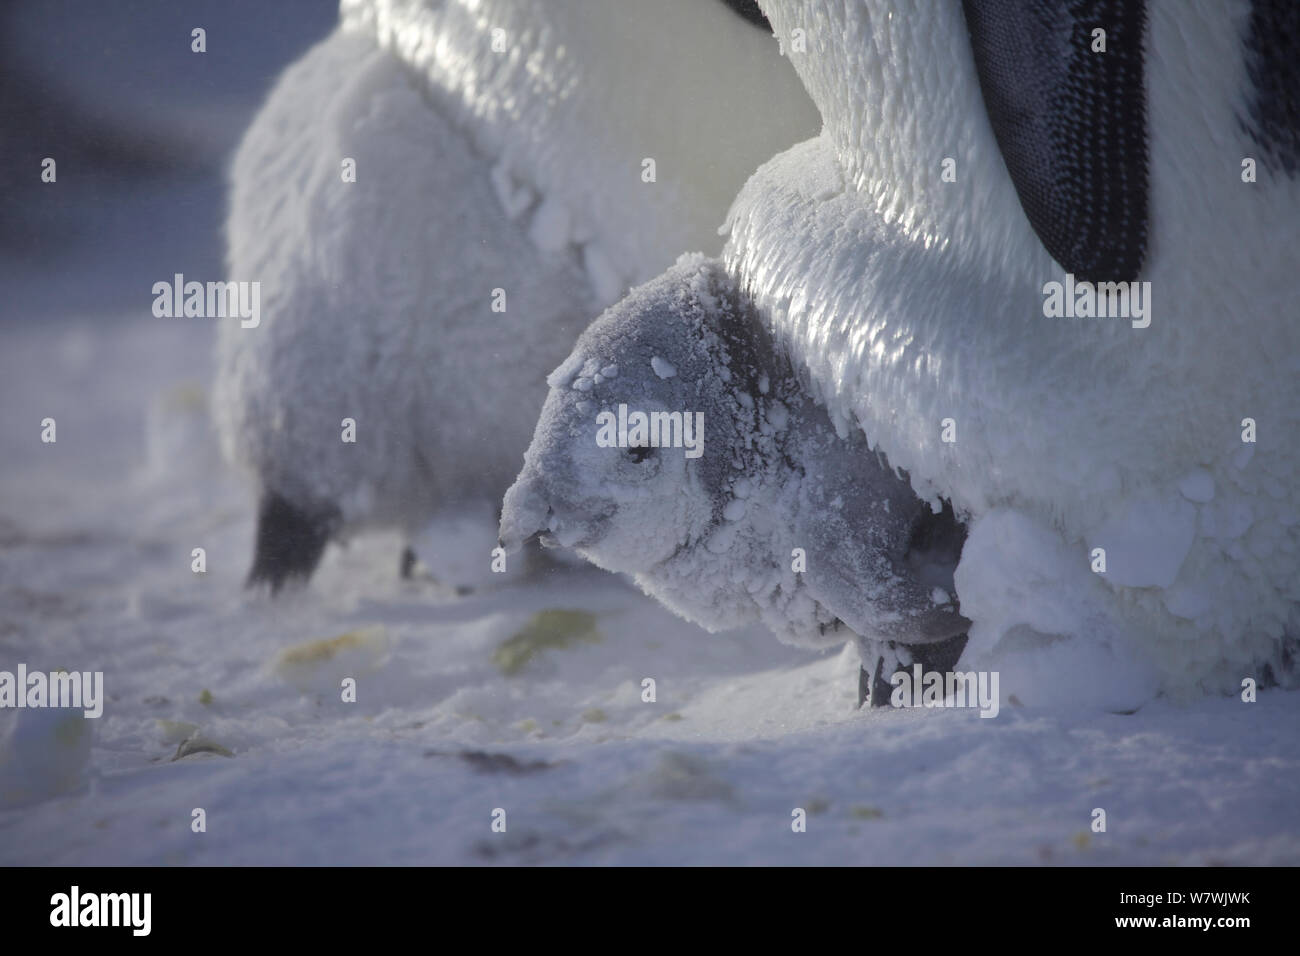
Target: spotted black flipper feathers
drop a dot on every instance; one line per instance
(1273, 65)
(1071, 123)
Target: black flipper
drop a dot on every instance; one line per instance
(750, 11)
(290, 541)
(1273, 63)
(1071, 124)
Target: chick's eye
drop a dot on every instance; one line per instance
(639, 453)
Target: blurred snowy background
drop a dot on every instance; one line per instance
(525, 695)
(141, 128)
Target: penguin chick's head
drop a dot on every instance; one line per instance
(640, 429)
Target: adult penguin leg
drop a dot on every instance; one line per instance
(407, 565)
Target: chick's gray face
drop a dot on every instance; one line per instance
(629, 456)
(608, 471)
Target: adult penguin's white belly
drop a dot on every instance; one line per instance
(501, 198)
(908, 301)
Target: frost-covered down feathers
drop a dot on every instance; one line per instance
(779, 520)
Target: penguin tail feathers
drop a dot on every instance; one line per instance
(290, 541)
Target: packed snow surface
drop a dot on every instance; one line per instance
(469, 704)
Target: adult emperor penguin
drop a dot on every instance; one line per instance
(992, 177)
(1129, 481)
(435, 200)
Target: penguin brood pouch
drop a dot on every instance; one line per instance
(1042, 257)
(677, 445)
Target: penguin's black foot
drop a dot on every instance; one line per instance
(876, 685)
(409, 564)
(290, 541)
(872, 686)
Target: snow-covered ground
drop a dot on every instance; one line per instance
(96, 535)
(524, 695)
